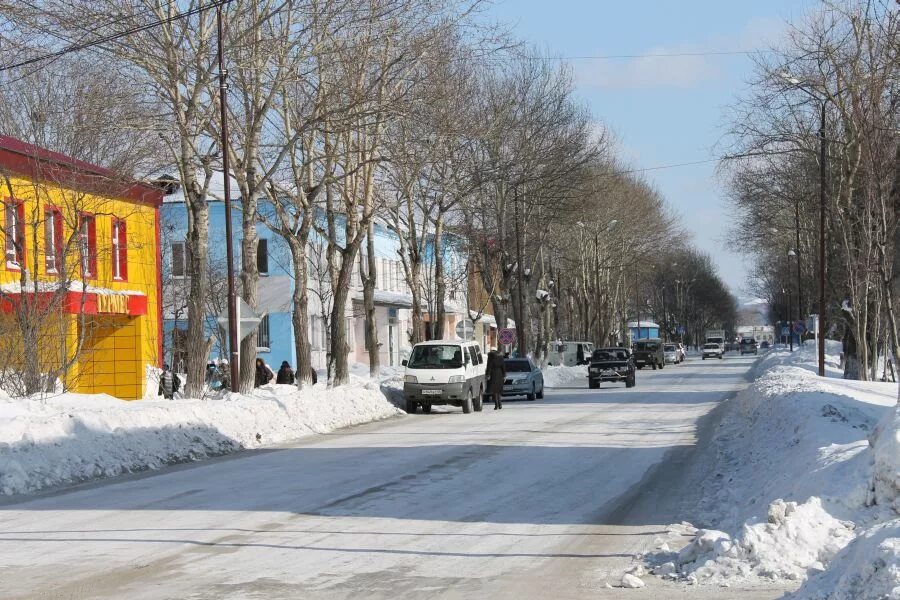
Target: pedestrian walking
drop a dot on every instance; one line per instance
(285, 374)
(495, 372)
(263, 373)
(168, 383)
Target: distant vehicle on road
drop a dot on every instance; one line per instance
(716, 336)
(570, 354)
(611, 364)
(523, 378)
(649, 353)
(713, 350)
(748, 346)
(670, 351)
(444, 372)
(764, 345)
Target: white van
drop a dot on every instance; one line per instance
(569, 354)
(444, 372)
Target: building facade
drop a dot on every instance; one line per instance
(80, 284)
(276, 343)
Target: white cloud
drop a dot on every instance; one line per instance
(647, 71)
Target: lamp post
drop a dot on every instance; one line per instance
(822, 197)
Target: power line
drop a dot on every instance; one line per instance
(113, 37)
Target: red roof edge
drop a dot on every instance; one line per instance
(42, 164)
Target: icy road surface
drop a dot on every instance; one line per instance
(545, 499)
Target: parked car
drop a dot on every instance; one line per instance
(748, 346)
(569, 354)
(649, 353)
(611, 364)
(764, 345)
(682, 352)
(523, 378)
(670, 352)
(713, 350)
(444, 372)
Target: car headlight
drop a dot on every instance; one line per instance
(410, 379)
(457, 379)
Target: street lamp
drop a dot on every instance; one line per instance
(796, 83)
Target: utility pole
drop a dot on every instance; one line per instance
(521, 337)
(229, 249)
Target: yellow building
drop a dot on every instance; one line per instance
(80, 288)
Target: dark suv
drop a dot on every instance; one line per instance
(649, 353)
(748, 346)
(611, 364)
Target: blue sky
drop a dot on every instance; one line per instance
(669, 110)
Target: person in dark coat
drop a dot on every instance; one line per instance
(285, 374)
(168, 383)
(495, 373)
(263, 373)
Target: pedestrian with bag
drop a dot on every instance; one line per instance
(495, 373)
(285, 374)
(168, 383)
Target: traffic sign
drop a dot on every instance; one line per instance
(247, 318)
(800, 327)
(785, 331)
(507, 336)
(465, 329)
(680, 330)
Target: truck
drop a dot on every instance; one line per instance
(716, 336)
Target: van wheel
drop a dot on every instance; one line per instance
(540, 394)
(467, 403)
(478, 401)
(426, 408)
(411, 407)
(533, 393)
(654, 366)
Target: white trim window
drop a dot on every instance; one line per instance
(180, 260)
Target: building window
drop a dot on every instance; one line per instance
(119, 250)
(181, 260)
(52, 239)
(263, 341)
(262, 256)
(87, 245)
(351, 334)
(14, 232)
(317, 336)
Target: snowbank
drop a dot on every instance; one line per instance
(793, 488)
(72, 438)
(561, 376)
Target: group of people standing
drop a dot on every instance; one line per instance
(285, 375)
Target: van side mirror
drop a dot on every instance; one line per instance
(403, 362)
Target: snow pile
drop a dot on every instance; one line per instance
(562, 376)
(868, 568)
(886, 442)
(795, 539)
(73, 437)
(389, 380)
(792, 491)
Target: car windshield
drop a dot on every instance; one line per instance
(610, 354)
(647, 346)
(670, 348)
(436, 356)
(517, 366)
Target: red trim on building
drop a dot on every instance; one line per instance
(20, 238)
(58, 237)
(46, 166)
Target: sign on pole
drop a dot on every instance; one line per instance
(465, 329)
(800, 327)
(506, 336)
(247, 318)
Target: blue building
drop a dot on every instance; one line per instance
(647, 329)
(393, 300)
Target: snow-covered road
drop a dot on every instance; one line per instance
(542, 499)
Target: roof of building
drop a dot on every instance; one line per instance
(41, 164)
